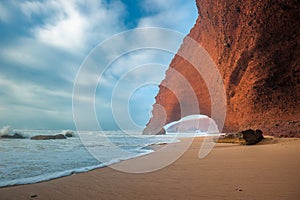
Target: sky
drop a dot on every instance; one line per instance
(43, 45)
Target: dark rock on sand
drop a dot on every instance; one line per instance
(33, 196)
(48, 137)
(246, 137)
(252, 137)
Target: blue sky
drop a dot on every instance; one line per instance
(43, 44)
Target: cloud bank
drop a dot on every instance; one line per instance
(43, 44)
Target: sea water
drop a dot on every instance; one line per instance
(24, 161)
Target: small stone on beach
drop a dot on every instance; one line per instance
(33, 195)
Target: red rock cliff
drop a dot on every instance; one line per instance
(255, 45)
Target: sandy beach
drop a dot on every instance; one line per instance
(268, 170)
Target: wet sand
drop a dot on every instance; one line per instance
(268, 170)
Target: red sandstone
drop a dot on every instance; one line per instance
(255, 45)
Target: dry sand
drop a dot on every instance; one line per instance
(265, 171)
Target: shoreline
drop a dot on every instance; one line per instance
(61, 174)
(265, 170)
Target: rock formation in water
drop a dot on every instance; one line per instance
(255, 46)
(69, 134)
(14, 136)
(48, 137)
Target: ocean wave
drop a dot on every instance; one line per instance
(68, 133)
(6, 130)
(60, 158)
(9, 131)
(55, 175)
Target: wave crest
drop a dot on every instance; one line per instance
(9, 131)
(68, 133)
(6, 130)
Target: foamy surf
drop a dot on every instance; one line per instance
(25, 161)
(50, 176)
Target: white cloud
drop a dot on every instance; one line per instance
(20, 57)
(29, 93)
(57, 44)
(4, 14)
(33, 7)
(28, 54)
(75, 25)
(24, 104)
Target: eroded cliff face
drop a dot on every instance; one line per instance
(255, 46)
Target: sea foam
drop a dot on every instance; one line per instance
(30, 161)
(8, 130)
